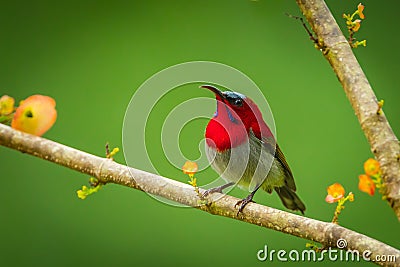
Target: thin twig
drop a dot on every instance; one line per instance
(310, 34)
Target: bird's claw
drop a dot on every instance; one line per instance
(217, 189)
(242, 203)
(212, 190)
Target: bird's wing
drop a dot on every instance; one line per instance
(289, 176)
(269, 143)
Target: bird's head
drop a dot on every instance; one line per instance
(237, 114)
(235, 108)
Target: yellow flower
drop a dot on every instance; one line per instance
(360, 9)
(190, 168)
(35, 115)
(371, 167)
(6, 105)
(335, 192)
(356, 25)
(366, 184)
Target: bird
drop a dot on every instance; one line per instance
(243, 151)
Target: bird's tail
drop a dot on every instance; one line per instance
(290, 199)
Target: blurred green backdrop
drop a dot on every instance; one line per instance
(91, 56)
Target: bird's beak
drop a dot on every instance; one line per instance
(213, 89)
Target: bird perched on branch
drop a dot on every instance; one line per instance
(242, 149)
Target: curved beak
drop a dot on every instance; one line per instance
(213, 89)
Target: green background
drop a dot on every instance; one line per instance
(91, 56)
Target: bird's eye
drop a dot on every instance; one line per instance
(238, 102)
(235, 99)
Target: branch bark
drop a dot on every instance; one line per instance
(109, 171)
(384, 143)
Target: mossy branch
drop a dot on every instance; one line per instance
(336, 49)
(108, 171)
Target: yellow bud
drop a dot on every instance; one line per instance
(81, 194)
(351, 197)
(6, 105)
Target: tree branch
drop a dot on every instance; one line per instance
(338, 52)
(109, 171)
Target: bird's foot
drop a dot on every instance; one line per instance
(242, 203)
(212, 190)
(217, 189)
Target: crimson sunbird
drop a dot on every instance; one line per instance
(242, 149)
